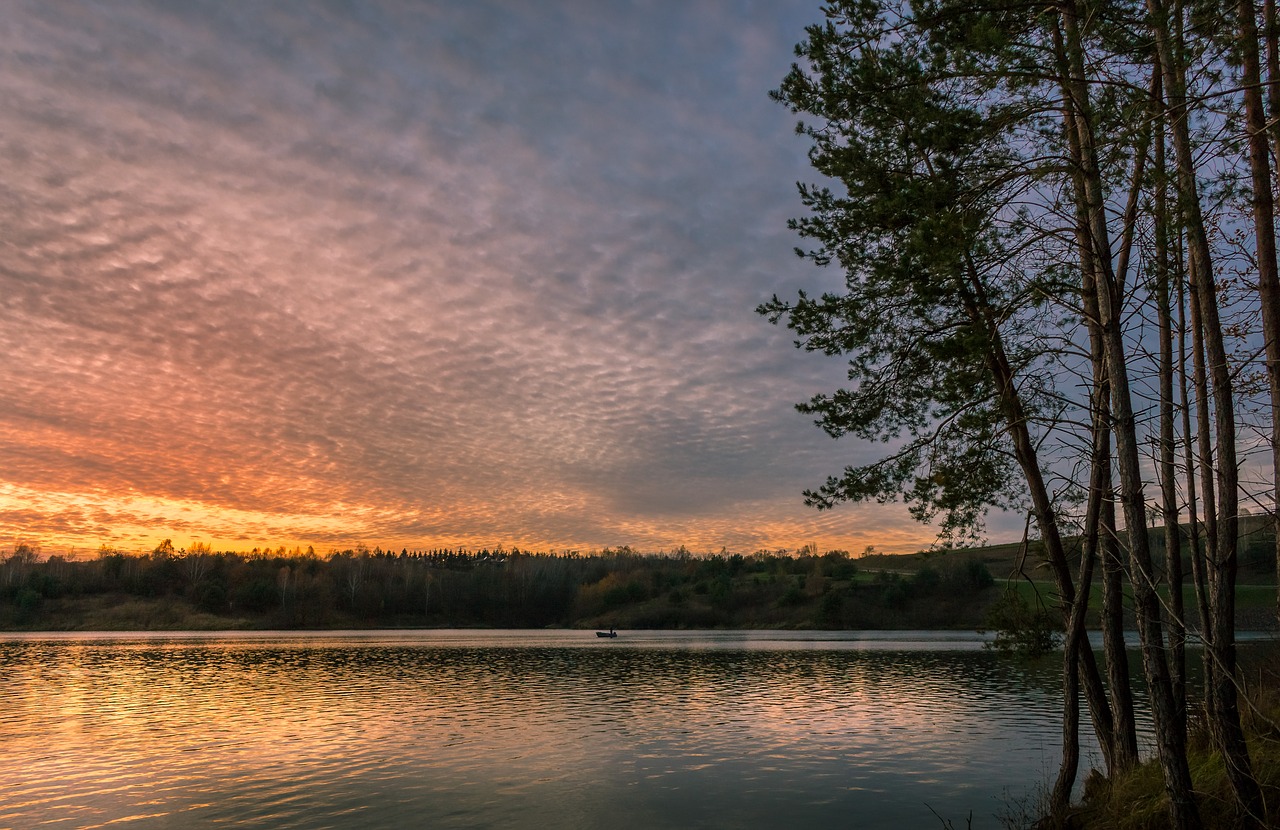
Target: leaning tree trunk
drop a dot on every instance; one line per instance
(1014, 415)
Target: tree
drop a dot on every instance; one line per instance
(196, 561)
(995, 171)
(939, 325)
(1220, 628)
(18, 563)
(1261, 184)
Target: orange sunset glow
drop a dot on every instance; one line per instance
(420, 276)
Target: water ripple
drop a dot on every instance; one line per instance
(514, 729)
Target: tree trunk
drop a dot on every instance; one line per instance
(1024, 450)
(1115, 651)
(1265, 239)
(1195, 549)
(1271, 34)
(1168, 473)
(1100, 542)
(1204, 441)
(1100, 532)
(1100, 536)
(1170, 730)
(1272, 37)
(1077, 639)
(1220, 637)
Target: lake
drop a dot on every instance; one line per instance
(520, 729)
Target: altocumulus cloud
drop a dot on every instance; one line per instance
(419, 274)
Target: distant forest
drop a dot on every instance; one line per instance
(199, 588)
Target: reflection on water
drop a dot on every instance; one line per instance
(517, 729)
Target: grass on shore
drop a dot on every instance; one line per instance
(1137, 801)
(120, 612)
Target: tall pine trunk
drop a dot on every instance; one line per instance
(1167, 461)
(1204, 441)
(1121, 752)
(1220, 636)
(1195, 534)
(1265, 241)
(1170, 730)
(1119, 743)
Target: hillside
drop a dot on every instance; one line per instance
(1024, 570)
(1257, 555)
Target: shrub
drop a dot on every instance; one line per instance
(28, 603)
(258, 595)
(925, 582)
(211, 596)
(1021, 629)
(620, 595)
(832, 602)
(794, 596)
(969, 576)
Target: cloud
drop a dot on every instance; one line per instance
(404, 272)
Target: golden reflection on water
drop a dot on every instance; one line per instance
(512, 730)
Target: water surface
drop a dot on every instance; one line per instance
(526, 729)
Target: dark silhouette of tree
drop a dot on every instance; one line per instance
(994, 173)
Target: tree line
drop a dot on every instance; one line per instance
(1055, 226)
(502, 587)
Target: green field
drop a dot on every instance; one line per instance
(1022, 568)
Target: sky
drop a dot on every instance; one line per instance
(419, 274)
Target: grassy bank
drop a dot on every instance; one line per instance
(1137, 801)
(120, 612)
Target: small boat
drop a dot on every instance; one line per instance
(610, 633)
